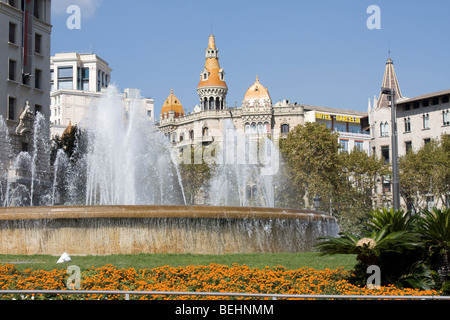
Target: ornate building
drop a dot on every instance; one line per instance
(256, 117)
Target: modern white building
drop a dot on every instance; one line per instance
(24, 66)
(347, 123)
(77, 82)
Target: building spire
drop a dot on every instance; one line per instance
(389, 81)
(211, 42)
(212, 88)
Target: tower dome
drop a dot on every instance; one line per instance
(172, 103)
(212, 88)
(257, 95)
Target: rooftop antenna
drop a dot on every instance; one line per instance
(211, 27)
(389, 48)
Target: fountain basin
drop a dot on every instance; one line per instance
(102, 230)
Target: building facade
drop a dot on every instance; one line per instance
(78, 81)
(24, 68)
(419, 119)
(256, 117)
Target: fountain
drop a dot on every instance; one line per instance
(122, 192)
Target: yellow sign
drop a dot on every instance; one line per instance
(348, 119)
(326, 116)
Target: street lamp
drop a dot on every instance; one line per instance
(394, 143)
(316, 200)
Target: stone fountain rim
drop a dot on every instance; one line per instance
(158, 211)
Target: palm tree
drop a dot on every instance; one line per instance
(389, 243)
(434, 227)
(397, 220)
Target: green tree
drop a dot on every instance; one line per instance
(387, 240)
(426, 172)
(195, 176)
(434, 227)
(359, 172)
(311, 157)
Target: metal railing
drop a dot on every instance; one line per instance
(224, 294)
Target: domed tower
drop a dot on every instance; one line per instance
(257, 95)
(212, 88)
(257, 109)
(172, 107)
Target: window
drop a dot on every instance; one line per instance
(99, 80)
(426, 103)
(435, 101)
(407, 124)
(181, 137)
(11, 107)
(386, 183)
(253, 129)
(384, 129)
(37, 9)
(416, 105)
(340, 127)
(52, 80)
(205, 131)
(407, 107)
(12, 70)
(426, 140)
(191, 134)
(445, 99)
(344, 145)
(385, 153)
(426, 121)
(65, 72)
(355, 129)
(37, 109)
(26, 78)
(359, 145)
(12, 3)
(445, 117)
(247, 128)
(12, 32)
(284, 128)
(408, 146)
(85, 78)
(37, 78)
(24, 147)
(149, 113)
(65, 78)
(37, 43)
(430, 202)
(260, 127)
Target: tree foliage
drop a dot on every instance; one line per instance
(311, 156)
(195, 176)
(426, 172)
(314, 165)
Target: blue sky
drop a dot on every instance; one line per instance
(311, 52)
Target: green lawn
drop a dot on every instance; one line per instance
(148, 261)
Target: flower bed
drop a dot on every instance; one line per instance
(211, 278)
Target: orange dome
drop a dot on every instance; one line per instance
(257, 92)
(172, 103)
(212, 75)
